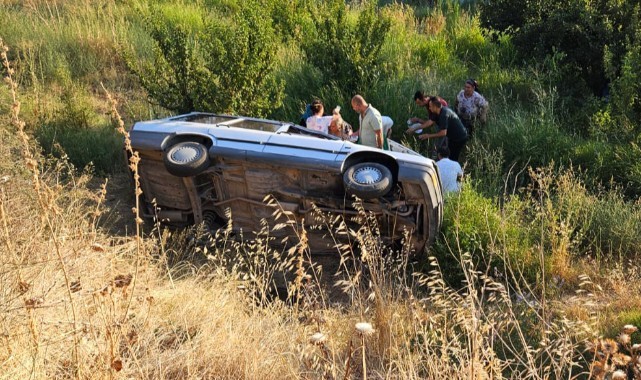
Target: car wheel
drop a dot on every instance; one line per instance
(368, 180)
(186, 159)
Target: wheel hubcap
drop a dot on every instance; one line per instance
(185, 154)
(368, 175)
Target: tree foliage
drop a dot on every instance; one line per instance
(580, 30)
(221, 67)
(348, 54)
(626, 87)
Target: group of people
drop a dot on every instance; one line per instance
(371, 122)
(453, 126)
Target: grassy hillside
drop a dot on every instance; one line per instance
(537, 256)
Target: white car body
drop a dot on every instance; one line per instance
(203, 167)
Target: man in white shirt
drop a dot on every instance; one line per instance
(450, 171)
(388, 123)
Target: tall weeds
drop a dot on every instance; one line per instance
(495, 300)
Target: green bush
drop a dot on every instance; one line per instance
(496, 238)
(348, 54)
(626, 86)
(73, 129)
(527, 143)
(611, 165)
(222, 66)
(100, 146)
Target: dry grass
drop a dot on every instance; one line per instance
(76, 302)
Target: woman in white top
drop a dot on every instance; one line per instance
(317, 121)
(471, 106)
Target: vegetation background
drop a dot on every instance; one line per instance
(537, 263)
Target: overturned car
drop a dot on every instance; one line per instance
(203, 167)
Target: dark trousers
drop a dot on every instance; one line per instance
(469, 125)
(455, 148)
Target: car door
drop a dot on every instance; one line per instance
(304, 151)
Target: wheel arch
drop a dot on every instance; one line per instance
(176, 138)
(369, 156)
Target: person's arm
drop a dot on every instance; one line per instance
(379, 138)
(424, 124)
(425, 136)
(483, 106)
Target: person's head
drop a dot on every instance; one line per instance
(339, 128)
(443, 152)
(420, 98)
(435, 105)
(470, 87)
(317, 107)
(359, 104)
(334, 128)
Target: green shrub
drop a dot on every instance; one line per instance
(227, 66)
(496, 238)
(579, 220)
(100, 146)
(433, 52)
(629, 317)
(611, 165)
(527, 143)
(626, 86)
(73, 129)
(348, 54)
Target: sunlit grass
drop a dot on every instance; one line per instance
(496, 298)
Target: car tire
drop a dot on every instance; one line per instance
(186, 158)
(368, 180)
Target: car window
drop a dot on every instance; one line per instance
(295, 129)
(235, 121)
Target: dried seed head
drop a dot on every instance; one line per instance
(97, 247)
(122, 280)
(116, 365)
(32, 303)
(623, 338)
(620, 360)
(609, 346)
(619, 375)
(23, 287)
(636, 347)
(364, 328)
(75, 286)
(629, 329)
(597, 368)
(318, 338)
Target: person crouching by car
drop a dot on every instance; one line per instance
(450, 171)
(448, 125)
(421, 100)
(317, 121)
(471, 106)
(388, 123)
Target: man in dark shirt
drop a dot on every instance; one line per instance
(422, 100)
(449, 125)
